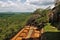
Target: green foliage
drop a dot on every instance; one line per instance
(11, 23)
(50, 28)
(43, 16)
(37, 11)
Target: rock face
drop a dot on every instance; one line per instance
(55, 19)
(32, 19)
(56, 11)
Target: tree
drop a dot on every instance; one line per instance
(39, 18)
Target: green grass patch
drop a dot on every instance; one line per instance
(50, 28)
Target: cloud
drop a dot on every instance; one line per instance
(42, 2)
(22, 1)
(24, 5)
(15, 6)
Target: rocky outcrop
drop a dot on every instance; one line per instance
(55, 17)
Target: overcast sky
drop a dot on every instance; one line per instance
(24, 5)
